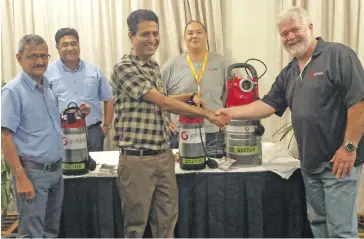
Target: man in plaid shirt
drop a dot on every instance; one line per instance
(147, 181)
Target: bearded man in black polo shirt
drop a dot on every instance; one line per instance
(323, 86)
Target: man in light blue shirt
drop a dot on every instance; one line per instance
(32, 141)
(75, 80)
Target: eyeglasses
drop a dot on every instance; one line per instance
(34, 57)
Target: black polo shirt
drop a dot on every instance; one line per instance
(319, 98)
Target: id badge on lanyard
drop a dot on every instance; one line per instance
(198, 78)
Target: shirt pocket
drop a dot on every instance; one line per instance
(92, 87)
(36, 121)
(325, 88)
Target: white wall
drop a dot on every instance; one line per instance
(250, 32)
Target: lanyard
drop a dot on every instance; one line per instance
(198, 78)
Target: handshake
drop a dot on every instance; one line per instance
(218, 118)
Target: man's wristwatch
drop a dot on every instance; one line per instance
(107, 126)
(350, 146)
(193, 95)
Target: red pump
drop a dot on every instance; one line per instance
(241, 91)
(243, 137)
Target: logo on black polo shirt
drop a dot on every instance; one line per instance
(313, 74)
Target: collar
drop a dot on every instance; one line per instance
(32, 84)
(141, 62)
(79, 65)
(320, 46)
(203, 56)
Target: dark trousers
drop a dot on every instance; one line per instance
(40, 217)
(95, 138)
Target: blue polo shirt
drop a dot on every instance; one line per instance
(31, 113)
(85, 84)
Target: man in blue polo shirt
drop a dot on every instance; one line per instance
(75, 80)
(32, 141)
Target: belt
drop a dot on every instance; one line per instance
(140, 152)
(94, 125)
(26, 163)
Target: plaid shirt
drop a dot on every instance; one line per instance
(138, 123)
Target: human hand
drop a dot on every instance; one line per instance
(226, 112)
(343, 161)
(172, 128)
(219, 119)
(24, 187)
(198, 101)
(105, 130)
(85, 108)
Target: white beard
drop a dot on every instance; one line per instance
(300, 47)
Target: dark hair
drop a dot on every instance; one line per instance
(30, 39)
(140, 15)
(196, 21)
(66, 32)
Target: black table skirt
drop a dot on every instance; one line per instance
(254, 204)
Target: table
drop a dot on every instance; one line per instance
(226, 204)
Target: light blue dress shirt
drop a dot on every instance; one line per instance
(86, 84)
(32, 114)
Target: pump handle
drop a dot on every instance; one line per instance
(242, 65)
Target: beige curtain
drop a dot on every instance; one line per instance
(240, 29)
(102, 27)
(250, 31)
